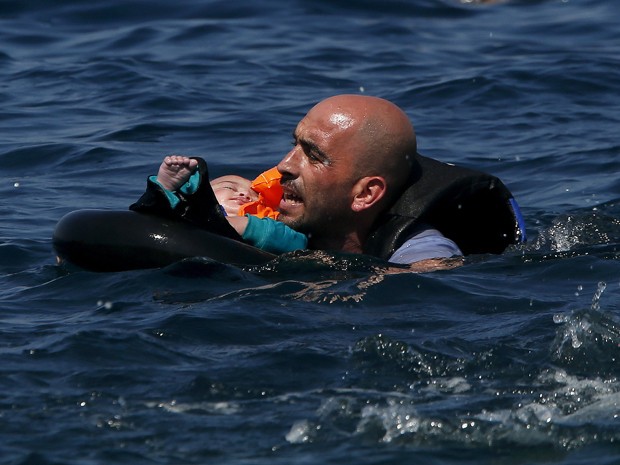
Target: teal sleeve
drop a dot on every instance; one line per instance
(192, 184)
(172, 198)
(189, 187)
(273, 236)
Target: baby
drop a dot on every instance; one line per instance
(232, 192)
(247, 210)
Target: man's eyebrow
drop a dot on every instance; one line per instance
(311, 145)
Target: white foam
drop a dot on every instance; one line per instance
(225, 408)
(299, 432)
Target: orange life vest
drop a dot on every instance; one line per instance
(267, 186)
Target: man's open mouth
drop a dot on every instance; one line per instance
(291, 198)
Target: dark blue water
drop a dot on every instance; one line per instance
(311, 359)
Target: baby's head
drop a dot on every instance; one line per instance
(233, 191)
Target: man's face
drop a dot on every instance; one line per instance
(317, 174)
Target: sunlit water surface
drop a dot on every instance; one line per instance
(311, 359)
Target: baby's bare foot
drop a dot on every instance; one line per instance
(175, 170)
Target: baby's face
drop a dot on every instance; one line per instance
(232, 192)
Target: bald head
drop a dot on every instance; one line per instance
(380, 133)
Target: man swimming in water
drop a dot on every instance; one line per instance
(352, 158)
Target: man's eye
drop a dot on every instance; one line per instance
(313, 157)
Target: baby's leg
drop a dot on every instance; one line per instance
(175, 170)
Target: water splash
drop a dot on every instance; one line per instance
(588, 340)
(577, 325)
(597, 296)
(571, 232)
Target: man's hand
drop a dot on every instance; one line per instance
(428, 265)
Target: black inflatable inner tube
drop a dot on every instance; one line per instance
(101, 240)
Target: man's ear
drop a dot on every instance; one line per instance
(367, 192)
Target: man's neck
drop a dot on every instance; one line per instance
(350, 244)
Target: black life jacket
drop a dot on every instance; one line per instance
(474, 209)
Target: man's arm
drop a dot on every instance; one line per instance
(434, 264)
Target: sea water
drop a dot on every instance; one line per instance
(311, 359)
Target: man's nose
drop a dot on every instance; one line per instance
(288, 166)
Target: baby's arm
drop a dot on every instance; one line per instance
(240, 223)
(175, 171)
(268, 234)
